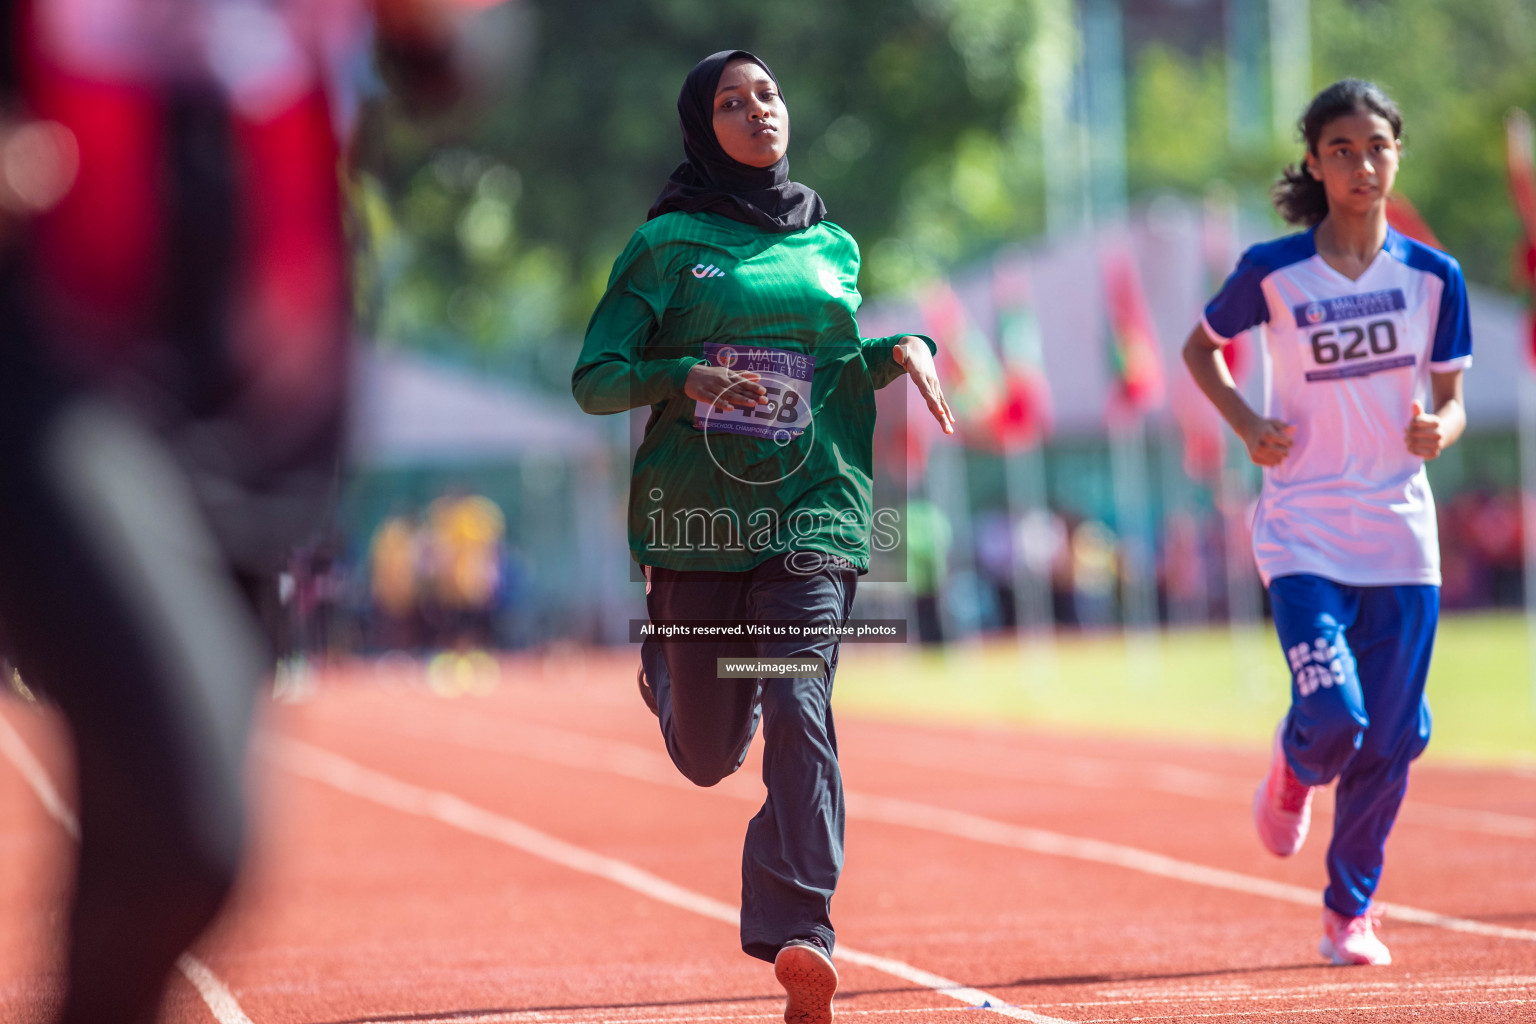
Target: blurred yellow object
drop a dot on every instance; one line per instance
(392, 562)
(468, 673)
(467, 531)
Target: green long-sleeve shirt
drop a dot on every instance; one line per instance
(726, 491)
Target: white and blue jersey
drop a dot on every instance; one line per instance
(1343, 362)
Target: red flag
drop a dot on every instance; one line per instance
(1134, 356)
(1023, 417)
(1522, 189)
(1402, 215)
(972, 375)
(1218, 246)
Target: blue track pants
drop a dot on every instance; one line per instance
(1358, 658)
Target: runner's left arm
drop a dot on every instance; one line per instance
(914, 354)
(880, 356)
(1432, 431)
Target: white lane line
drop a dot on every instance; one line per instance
(515, 1017)
(895, 811)
(1153, 993)
(221, 1002)
(1176, 780)
(16, 751)
(350, 777)
(577, 750)
(1104, 773)
(1494, 823)
(530, 1016)
(215, 993)
(1339, 1010)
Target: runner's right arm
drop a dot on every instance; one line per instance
(1268, 440)
(613, 374)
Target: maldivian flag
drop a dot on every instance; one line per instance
(1023, 417)
(1203, 430)
(1218, 248)
(968, 366)
(1522, 189)
(1134, 357)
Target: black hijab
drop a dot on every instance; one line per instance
(709, 180)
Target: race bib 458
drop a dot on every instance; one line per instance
(786, 377)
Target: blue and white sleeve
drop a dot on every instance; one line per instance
(1453, 330)
(1240, 304)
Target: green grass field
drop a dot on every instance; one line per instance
(1202, 684)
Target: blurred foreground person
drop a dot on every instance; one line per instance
(1366, 334)
(174, 293)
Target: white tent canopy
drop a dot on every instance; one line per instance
(408, 410)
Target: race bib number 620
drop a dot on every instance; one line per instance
(1354, 335)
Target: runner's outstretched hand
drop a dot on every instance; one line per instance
(912, 354)
(724, 389)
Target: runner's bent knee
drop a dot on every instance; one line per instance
(706, 767)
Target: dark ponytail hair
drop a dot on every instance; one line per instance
(1298, 196)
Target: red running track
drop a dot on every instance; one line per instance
(529, 856)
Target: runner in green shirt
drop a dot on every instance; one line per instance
(731, 314)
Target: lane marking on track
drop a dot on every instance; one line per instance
(16, 751)
(895, 811)
(1270, 1012)
(1177, 780)
(215, 993)
(554, 1017)
(1217, 994)
(221, 1002)
(1103, 773)
(320, 765)
(512, 1018)
(577, 750)
(1239, 990)
(1494, 823)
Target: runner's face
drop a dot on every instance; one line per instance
(1356, 160)
(751, 121)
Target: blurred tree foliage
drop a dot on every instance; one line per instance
(909, 116)
(917, 120)
(1453, 66)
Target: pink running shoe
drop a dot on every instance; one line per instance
(1352, 940)
(809, 979)
(1282, 807)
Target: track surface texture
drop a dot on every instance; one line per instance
(528, 855)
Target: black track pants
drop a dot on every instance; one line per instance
(794, 847)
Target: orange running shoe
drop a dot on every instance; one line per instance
(809, 979)
(1282, 807)
(1352, 940)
